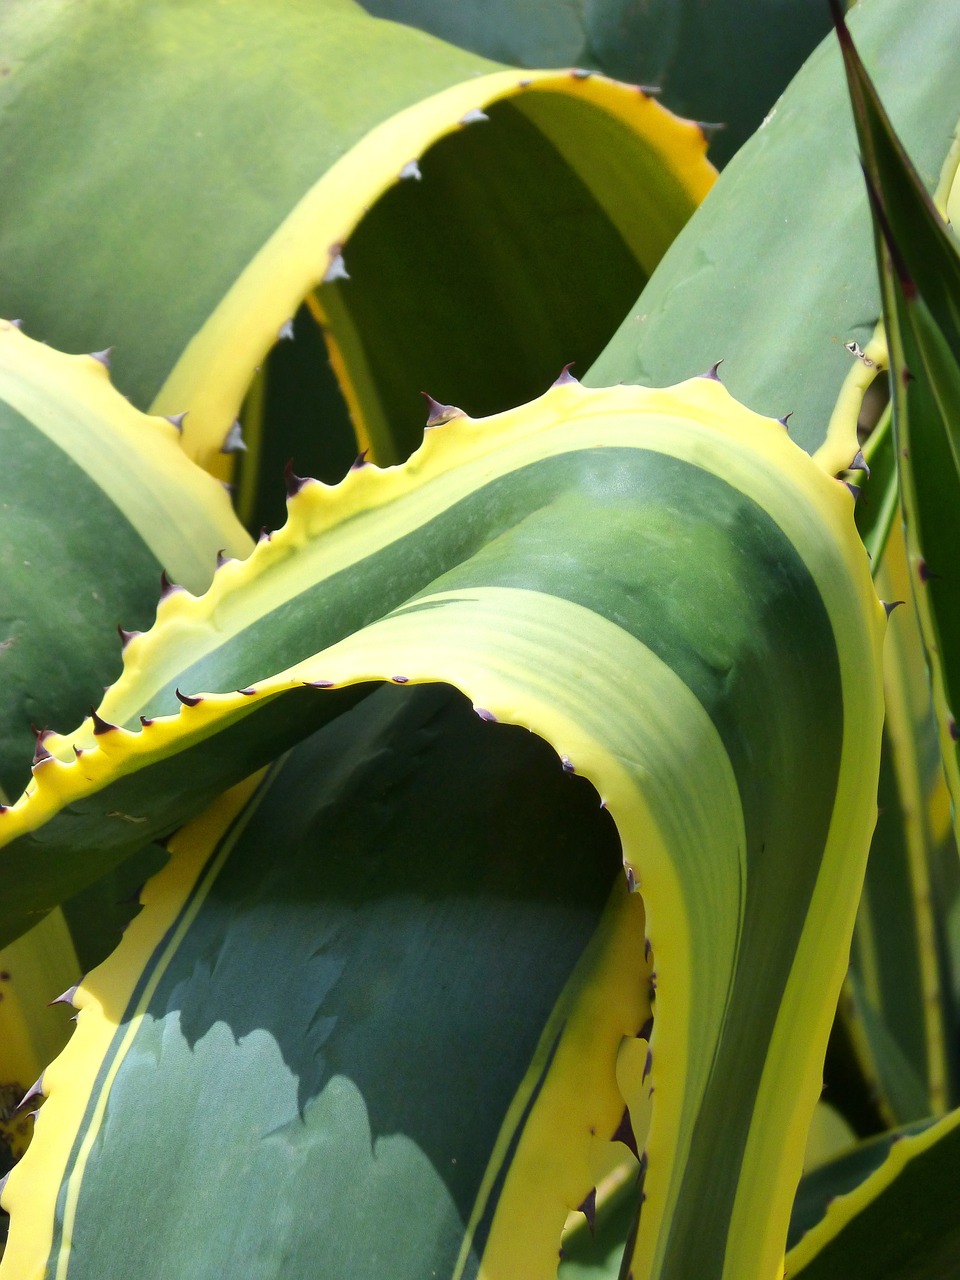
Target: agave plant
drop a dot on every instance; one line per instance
(504, 814)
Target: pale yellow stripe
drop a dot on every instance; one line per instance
(70, 399)
(103, 998)
(212, 374)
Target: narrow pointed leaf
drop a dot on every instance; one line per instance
(901, 1221)
(920, 272)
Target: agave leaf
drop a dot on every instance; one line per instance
(96, 500)
(778, 297)
(913, 876)
(494, 561)
(524, 192)
(677, 45)
(34, 970)
(901, 1221)
(841, 1175)
(920, 274)
(447, 913)
(898, 1012)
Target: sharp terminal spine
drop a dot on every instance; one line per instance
(40, 753)
(293, 482)
(35, 1091)
(624, 1133)
(438, 414)
(233, 441)
(860, 464)
(100, 726)
(710, 128)
(337, 269)
(589, 1210)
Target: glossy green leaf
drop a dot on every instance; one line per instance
(774, 275)
(494, 561)
(723, 63)
(442, 917)
(96, 499)
(521, 211)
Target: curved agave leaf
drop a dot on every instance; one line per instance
(96, 500)
(639, 577)
(900, 1221)
(445, 920)
(678, 45)
(811, 286)
(568, 189)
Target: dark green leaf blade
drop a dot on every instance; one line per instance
(920, 284)
(901, 1223)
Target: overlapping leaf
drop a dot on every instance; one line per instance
(920, 275)
(96, 500)
(726, 64)
(521, 213)
(637, 576)
(893, 1224)
(775, 273)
